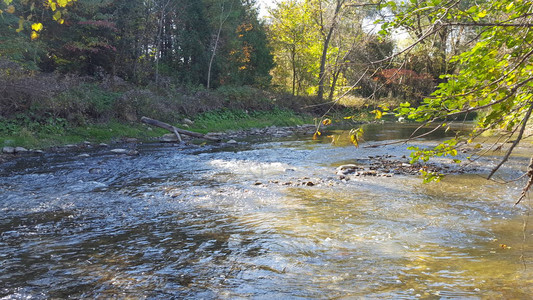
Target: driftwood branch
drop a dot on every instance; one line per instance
(176, 130)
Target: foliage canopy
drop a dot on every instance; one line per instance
(495, 75)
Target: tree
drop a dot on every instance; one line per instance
(57, 8)
(294, 47)
(86, 44)
(314, 43)
(326, 30)
(225, 12)
(495, 76)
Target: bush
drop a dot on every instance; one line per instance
(244, 97)
(134, 104)
(83, 103)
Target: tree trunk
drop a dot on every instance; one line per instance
(175, 129)
(215, 46)
(323, 58)
(293, 58)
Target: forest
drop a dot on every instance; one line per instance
(122, 50)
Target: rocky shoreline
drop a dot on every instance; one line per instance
(373, 166)
(388, 166)
(228, 138)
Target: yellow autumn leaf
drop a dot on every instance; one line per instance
(61, 21)
(7, 2)
(21, 25)
(326, 122)
(57, 16)
(355, 141)
(378, 113)
(356, 136)
(316, 135)
(62, 3)
(53, 6)
(37, 27)
(10, 9)
(34, 35)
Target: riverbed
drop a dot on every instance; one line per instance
(242, 221)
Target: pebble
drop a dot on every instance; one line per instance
(125, 151)
(96, 171)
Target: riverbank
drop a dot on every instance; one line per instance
(38, 136)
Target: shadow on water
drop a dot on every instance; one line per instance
(219, 223)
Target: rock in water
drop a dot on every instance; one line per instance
(133, 153)
(125, 151)
(347, 169)
(119, 151)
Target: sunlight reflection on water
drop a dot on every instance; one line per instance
(224, 225)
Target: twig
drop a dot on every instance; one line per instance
(529, 182)
(515, 143)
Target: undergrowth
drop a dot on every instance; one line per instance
(222, 120)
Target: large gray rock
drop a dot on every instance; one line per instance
(119, 151)
(125, 151)
(347, 169)
(8, 150)
(21, 150)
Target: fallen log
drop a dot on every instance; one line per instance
(176, 130)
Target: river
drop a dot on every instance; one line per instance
(241, 222)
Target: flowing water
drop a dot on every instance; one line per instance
(234, 223)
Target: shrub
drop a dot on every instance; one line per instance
(134, 104)
(83, 103)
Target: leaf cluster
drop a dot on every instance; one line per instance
(494, 76)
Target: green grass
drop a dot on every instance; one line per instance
(39, 136)
(223, 120)
(96, 133)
